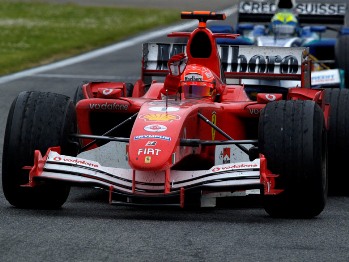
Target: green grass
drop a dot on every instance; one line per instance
(35, 33)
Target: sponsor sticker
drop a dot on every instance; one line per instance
(76, 161)
(163, 109)
(107, 91)
(268, 59)
(155, 128)
(321, 8)
(324, 77)
(149, 151)
(109, 106)
(167, 138)
(163, 117)
(270, 97)
(254, 111)
(254, 7)
(151, 143)
(228, 167)
(193, 77)
(226, 155)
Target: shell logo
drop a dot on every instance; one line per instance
(160, 117)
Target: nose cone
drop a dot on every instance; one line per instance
(151, 151)
(155, 137)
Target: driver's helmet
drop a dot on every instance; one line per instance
(284, 24)
(197, 82)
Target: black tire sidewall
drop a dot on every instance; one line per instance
(342, 55)
(292, 137)
(338, 142)
(36, 121)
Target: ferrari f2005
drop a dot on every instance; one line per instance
(186, 133)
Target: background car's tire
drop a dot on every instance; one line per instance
(292, 137)
(36, 120)
(342, 56)
(338, 140)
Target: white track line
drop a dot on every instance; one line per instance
(104, 77)
(106, 50)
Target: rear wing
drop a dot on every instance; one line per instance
(238, 62)
(308, 13)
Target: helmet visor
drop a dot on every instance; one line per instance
(195, 90)
(284, 29)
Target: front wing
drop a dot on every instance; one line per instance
(149, 184)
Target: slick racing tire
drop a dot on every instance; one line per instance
(338, 140)
(129, 89)
(292, 137)
(36, 121)
(78, 95)
(342, 56)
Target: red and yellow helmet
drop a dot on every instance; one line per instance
(197, 81)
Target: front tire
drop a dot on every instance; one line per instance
(36, 121)
(292, 137)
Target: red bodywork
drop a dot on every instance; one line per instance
(155, 134)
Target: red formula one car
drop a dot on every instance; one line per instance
(198, 135)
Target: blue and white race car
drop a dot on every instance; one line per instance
(285, 23)
(321, 27)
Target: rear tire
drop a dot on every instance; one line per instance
(79, 94)
(292, 137)
(338, 140)
(36, 121)
(342, 56)
(129, 89)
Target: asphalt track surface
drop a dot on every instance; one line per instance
(87, 228)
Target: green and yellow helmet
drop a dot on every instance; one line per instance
(284, 23)
(284, 18)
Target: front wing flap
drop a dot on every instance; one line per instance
(134, 183)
